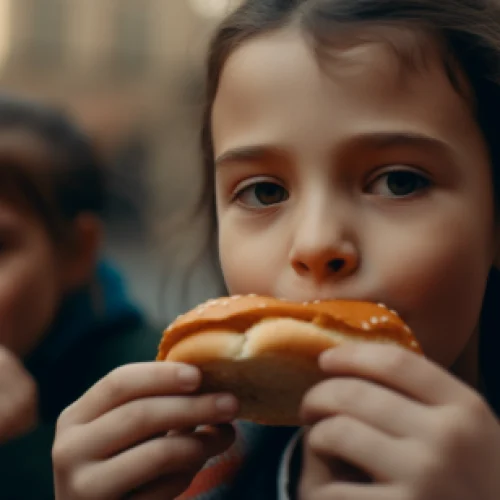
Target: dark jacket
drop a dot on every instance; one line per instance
(96, 331)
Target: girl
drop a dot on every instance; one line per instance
(350, 152)
(65, 320)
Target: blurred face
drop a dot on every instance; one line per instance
(29, 266)
(359, 182)
(29, 287)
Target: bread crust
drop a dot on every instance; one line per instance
(265, 350)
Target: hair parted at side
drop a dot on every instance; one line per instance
(466, 32)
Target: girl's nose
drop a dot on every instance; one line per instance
(325, 262)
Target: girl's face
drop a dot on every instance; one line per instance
(363, 180)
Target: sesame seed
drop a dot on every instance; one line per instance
(374, 320)
(392, 311)
(365, 325)
(224, 303)
(407, 328)
(316, 301)
(252, 295)
(384, 319)
(262, 305)
(381, 305)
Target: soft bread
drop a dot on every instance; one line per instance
(265, 350)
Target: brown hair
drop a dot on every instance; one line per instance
(59, 182)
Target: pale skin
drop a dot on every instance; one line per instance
(305, 212)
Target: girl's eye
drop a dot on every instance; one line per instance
(262, 194)
(398, 184)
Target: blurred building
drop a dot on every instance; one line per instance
(130, 72)
(74, 49)
(124, 68)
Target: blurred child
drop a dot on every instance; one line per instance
(65, 318)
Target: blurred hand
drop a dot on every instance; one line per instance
(18, 397)
(132, 434)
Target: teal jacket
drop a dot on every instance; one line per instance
(96, 331)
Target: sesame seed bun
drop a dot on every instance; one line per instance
(265, 350)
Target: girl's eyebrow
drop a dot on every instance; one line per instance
(392, 139)
(253, 153)
(368, 140)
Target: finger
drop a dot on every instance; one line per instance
(139, 420)
(161, 457)
(382, 457)
(348, 491)
(318, 471)
(129, 382)
(18, 409)
(377, 406)
(18, 397)
(164, 488)
(181, 432)
(9, 362)
(189, 430)
(397, 368)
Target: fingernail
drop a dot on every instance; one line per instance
(226, 404)
(188, 376)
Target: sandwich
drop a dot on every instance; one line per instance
(265, 350)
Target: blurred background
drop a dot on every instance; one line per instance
(130, 72)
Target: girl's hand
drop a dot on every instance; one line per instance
(410, 429)
(18, 398)
(131, 434)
